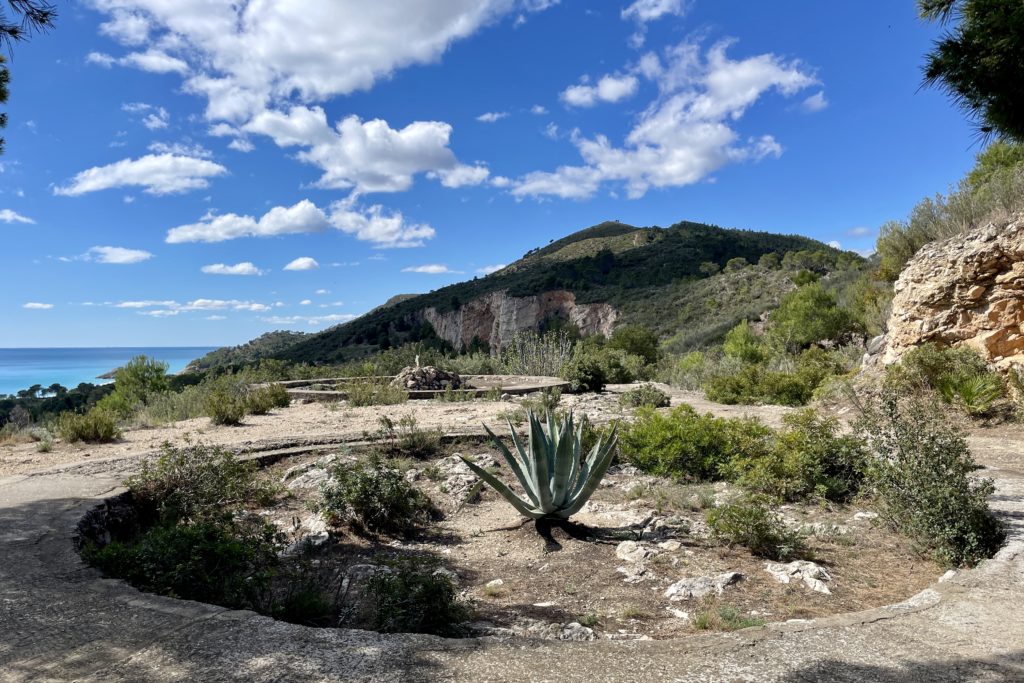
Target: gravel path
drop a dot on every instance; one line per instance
(60, 622)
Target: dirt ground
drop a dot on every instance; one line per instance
(578, 575)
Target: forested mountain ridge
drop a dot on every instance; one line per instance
(611, 272)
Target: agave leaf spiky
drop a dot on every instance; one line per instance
(553, 471)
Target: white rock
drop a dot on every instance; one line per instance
(576, 631)
(310, 479)
(698, 587)
(496, 583)
(635, 572)
(670, 546)
(631, 551)
(811, 574)
(678, 613)
(864, 516)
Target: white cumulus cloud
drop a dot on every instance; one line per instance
(492, 116)
(10, 216)
(303, 263)
(815, 102)
(156, 173)
(429, 269)
(608, 89)
(487, 270)
(687, 132)
(116, 255)
(244, 268)
(301, 217)
(36, 306)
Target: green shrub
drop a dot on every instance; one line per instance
(545, 355)
(636, 340)
(261, 400)
(809, 457)
(375, 497)
(685, 445)
(959, 375)
(405, 438)
(414, 598)
(755, 384)
(808, 315)
(542, 401)
(715, 617)
(96, 426)
(753, 523)
(741, 343)
(226, 403)
(372, 392)
(645, 395)
(194, 482)
(218, 561)
(921, 473)
(172, 406)
(585, 371)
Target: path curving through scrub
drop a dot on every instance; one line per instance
(60, 621)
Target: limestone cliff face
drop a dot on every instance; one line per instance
(496, 317)
(965, 290)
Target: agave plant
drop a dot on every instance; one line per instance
(557, 476)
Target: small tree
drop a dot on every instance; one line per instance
(637, 340)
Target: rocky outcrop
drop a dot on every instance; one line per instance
(966, 290)
(427, 378)
(496, 318)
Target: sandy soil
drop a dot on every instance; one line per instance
(312, 421)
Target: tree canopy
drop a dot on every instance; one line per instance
(979, 62)
(19, 20)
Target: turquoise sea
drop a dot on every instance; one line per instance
(21, 368)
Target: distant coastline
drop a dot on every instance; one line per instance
(21, 368)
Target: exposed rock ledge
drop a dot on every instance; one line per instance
(495, 318)
(966, 290)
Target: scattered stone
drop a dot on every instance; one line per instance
(451, 574)
(864, 516)
(543, 604)
(427, 378)
(458, 480)
(635, 573)
(811, 574)
(495, 583)
(360, 572)
(577, 632)
(296, 470)
(412, 474)
(670, 546)
(310, 479)
(947, 576)
(698, 587)
(623, 635)
(678, 613)
(631, 551)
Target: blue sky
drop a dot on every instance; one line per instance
(190, 172)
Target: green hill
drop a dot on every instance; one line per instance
(652, 276)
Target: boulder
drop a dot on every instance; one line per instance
(967, 290)
(427, 378)
(812, 575)
(700, 586)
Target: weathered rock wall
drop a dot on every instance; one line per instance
(966, 290)
(496, 317)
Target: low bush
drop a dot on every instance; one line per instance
(921, 474)
(405, 438)
(793, 386)
(412, 597)
(715, 617)
(742, 344)
(753, 523)
(529, 353)
(685, 445)
(173, 406)
(645, 395)
(584, 372)
(959, 375)
(96, 426)
(220, 561)
(226, 403)
(195, 482)
(261, 400)
(372, 392)
(375, 498)
(809, 458)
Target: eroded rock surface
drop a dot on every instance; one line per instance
(966, 290)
